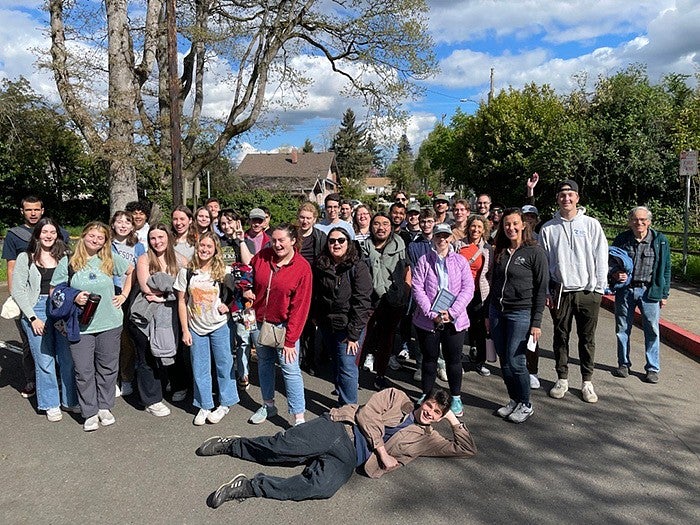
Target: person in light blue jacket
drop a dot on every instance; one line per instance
(31, 285)
(442, 269)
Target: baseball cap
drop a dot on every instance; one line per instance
(567, 185)
(529, 208)
(413, 207)
(441, 197)
(256, 213)
(443, 227)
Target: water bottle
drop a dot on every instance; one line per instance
(90, 308)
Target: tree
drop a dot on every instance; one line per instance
(400, 171)
(378, 52)
(308, 147)
(41, 155)
(349, 146)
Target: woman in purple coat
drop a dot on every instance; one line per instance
(442, 272)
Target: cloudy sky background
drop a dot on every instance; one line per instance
(541, 41)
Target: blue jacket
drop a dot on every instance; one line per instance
(618, 261)
(65, 312)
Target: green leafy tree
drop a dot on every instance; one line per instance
(308, 147)
(41, 155)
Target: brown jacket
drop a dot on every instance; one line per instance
(388, 408)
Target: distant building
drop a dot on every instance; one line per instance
(310, 176)
(378, 186)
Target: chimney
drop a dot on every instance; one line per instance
(295, 156)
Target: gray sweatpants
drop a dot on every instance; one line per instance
(96, 361)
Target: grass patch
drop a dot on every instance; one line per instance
(3, 270)
(692, 275)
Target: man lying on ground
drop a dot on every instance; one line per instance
(381, 436)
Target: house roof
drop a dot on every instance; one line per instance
(309, 166)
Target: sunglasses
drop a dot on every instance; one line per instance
(337, 240)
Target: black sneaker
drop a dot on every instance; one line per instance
(651, 377)
(216, 445)
(621, 371)
(238, 488)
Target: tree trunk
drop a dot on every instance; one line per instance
(119, 147)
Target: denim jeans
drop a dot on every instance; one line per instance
(510, 331)
(345, 371)
(240, 341)
(46, 350)
(321, 445)
(218, 344)
(293, 382)
(625, 302)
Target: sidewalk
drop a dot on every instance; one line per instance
(680, 324)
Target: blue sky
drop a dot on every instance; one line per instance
(541, 41)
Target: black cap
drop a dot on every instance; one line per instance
(568, 184)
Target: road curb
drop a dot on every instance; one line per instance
(671, 333)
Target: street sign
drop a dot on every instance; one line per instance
(688, 164)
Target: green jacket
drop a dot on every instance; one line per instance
(388, 269)
(660, 285)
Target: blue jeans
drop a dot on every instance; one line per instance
(218, 344)
(240, 341)
(345, 371)
(293, 382)
(46, 351)
(510, 331)
(625, 302)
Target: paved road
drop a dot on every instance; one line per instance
(632, 458)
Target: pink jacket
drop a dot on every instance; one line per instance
(425, 288)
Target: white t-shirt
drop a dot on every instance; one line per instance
(202, 301)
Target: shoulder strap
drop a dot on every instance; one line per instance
(22, 233)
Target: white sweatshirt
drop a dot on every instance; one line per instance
(577, 251)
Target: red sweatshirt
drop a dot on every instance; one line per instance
(290, 292)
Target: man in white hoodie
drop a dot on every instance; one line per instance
(577, 252)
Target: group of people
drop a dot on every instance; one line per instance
(148, 307)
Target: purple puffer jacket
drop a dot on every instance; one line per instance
(425, 289)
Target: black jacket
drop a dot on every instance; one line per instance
(342, 297)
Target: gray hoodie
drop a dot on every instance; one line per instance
(577, 252)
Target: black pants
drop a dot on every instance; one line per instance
(584, 308)
(477, 327)
(321, 444)
(451, 342)
(151, 375)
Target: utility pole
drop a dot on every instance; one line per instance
(174, 97)
(490, 87)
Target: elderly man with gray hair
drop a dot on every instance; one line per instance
(648, 290)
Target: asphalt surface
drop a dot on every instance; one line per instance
(634, 457)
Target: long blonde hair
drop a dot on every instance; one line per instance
(169, 257)
(218, 267)
(81, 257)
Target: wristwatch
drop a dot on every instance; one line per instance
(32, 318)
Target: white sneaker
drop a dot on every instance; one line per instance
(54, 414)
(117, 391)
(521, 413)
(127, 388)
(106, 417)
(217, 415)
(369, 362)
(560, 388)
(298, 422)
(201, 417)
(418, 376)
(180, 395)
(442, 374)
(403, 354)
(508, 409)
(158, 409)
(394, 363)
(534, 382)
(91, 423)
(587, 392)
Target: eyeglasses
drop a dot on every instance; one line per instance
(401, 199)
(337, 240)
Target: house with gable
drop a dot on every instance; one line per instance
(310, 176)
